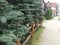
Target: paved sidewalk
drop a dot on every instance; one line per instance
(51, 34)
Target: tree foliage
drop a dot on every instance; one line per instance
(14, 17)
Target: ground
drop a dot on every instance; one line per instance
(51, 34)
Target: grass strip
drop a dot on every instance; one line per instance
(37, 36)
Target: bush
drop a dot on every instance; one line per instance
(48, 14)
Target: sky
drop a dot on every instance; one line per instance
(57, 1)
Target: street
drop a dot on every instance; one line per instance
(51, 33)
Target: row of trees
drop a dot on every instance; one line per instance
(16, 16)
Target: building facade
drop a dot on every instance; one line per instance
(53, 6)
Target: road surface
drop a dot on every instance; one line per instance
(51, 34)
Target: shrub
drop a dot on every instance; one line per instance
(48, 14)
